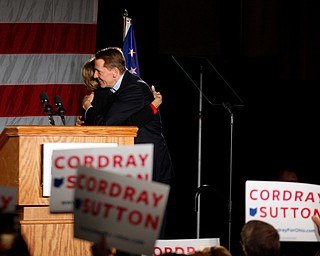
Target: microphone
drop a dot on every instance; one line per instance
(47, 107)
(60, 108)
(44, 98)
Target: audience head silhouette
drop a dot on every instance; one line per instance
(287, 175)
(259, 238)
(11, 240)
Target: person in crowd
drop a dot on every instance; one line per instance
(259, 238)
(217, 250)
(103, 98)
(102, 248)
(12, 242)
(287, 174)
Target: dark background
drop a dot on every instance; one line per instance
(262, 58)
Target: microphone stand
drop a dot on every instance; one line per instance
(61, 114)
(60, 109)
(48, 110)
(47, 107)
(228, 107)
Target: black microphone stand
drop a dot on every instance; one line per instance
(48, 110)
(60, 112)
(47, 107)
(60, 108)
(228, 107)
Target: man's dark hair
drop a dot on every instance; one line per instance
(259, 238)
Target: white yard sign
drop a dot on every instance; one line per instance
(128, 211)
(135, 161)
(288, 206)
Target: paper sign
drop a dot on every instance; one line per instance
(135, 161)
(128, 211)
(47, 156)
(184, 246)
(288, 206)
(8, 199)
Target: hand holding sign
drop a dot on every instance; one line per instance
(316, 220)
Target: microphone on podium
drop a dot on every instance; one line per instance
(47, 107)
(60, 108)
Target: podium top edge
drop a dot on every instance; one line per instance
(49, 130)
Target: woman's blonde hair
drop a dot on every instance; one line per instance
(87, 75)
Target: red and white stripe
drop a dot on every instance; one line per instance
(43, 46)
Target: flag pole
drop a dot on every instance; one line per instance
(125, 16)
(129, 46)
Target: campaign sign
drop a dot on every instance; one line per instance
(8, 199)
(47, 157)
(184, 246)
(128, 211)
(135, 161)
(288, 206)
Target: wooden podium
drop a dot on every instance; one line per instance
(21, 166)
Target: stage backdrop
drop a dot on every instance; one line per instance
(43, 45)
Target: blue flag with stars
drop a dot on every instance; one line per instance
(130, 48)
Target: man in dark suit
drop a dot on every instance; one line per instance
(130, 95)
(103, 99)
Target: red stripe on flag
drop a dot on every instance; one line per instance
(24, 100)
(21, 38)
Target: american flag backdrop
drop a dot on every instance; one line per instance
(43, 45)
(129, 48)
